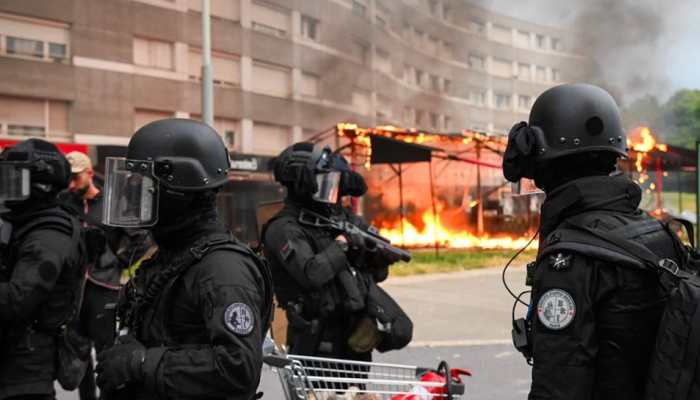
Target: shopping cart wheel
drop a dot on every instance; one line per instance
(451, 388)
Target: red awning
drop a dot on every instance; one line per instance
(64, 147)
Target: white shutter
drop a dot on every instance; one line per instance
(34, 31)
(503, 68)
(194, 64)
(226, 69)
(269, 139)
(141, 53)
(309, 85)
(361, 101)
(271, 17)
(271, 80)
(21, 111)
(523, 39)
(161, 54)
(501, 34)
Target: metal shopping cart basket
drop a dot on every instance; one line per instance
(315, 378)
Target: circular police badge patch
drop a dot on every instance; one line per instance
(556, 309)
(239, 318)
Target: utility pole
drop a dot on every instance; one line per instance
(207, 84)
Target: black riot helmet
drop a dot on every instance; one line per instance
(307, 170)
(173, 155)
(32, 166)
(569, 120)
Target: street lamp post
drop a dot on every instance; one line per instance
(207, 84)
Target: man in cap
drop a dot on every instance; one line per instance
(109, 251)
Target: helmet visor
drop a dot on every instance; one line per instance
(131, 193)
(328, 184)
(14, 182)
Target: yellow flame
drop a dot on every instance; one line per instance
(435, 230)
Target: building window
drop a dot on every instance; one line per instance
(309, 28)
(476, 62)
(476, 26)
(309, 85)
(541, 74)
(359, 51)
(383, 61)
(409, 74)
(153, 53)
(434, 121)
(523, 72)
(523, 39)
(359, 8)
(556, 75)
(501, 34)
(33, 39)
(447, 123)
(540, 41)
(361, 101)
(446, 86)
(271, 80)
(419, 77)
(477, 97)
(435, 83)
(224, 9)
(25, 130)
(501, 101)
(556, 44)
(383, 107)
(420, 118)
(502, 68)
(25, 47)
(524, 102)
(382, 14)
(270, 20)
(269, 139)
(226, 67)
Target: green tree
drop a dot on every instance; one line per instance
(681, 117)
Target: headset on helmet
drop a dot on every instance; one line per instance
(565, 120)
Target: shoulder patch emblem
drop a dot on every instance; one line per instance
(239, 318)
(560, 261)
(287, 250)
(556, 309)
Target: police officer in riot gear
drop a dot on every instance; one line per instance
(593, 321)
(323, 276)
(41, 269)
(197, 311)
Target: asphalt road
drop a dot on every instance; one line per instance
(462, 318)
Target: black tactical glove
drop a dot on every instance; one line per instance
(355, 245)
(121, 364)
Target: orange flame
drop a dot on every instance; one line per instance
(643, 141)
(434, 231)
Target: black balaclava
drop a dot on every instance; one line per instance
(184, 217)
(559, 171)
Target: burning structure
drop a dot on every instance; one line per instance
(447, 190)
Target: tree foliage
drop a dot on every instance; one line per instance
(677, 121)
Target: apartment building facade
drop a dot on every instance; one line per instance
(93, 71)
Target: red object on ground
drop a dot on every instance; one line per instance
(427, 393)
(64, 147)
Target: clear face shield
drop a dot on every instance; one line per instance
(131, 193)
(328, 184)
(15, 183)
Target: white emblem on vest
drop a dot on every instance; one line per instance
(556, 309)
(239, 318)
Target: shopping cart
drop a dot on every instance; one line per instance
(315, 378)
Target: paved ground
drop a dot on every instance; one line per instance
(463, 318)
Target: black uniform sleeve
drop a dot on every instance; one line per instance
(288, 246)
(41, 257)
(565, 354)
(229, 290)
